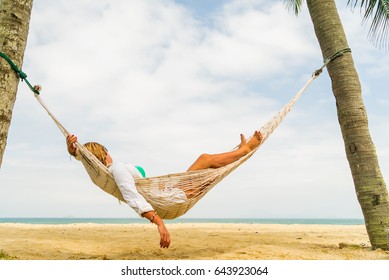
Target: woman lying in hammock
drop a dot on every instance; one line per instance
(124, 175)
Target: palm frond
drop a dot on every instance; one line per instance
(378, 12)
(294, 5)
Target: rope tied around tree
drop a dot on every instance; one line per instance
(20, 73)
(330, 59)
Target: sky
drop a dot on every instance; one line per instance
(160, 82)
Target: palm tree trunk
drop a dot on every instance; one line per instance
(369, 184)
(14, 23)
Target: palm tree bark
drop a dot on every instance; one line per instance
(369, 184)
(14, 25)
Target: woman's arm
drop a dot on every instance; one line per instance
(125, 181)
(153, 217)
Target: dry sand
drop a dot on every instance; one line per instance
(189, 242)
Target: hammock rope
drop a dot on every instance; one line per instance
(163, 192)
(332, 58)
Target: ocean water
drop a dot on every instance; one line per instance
(59, 221)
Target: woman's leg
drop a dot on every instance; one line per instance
(220, 160)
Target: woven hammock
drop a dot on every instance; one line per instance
(153, 189)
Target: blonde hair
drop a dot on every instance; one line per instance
(98, 150)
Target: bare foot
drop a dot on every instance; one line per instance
(246, 147)
(255, 140)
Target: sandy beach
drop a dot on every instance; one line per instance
(189, 242)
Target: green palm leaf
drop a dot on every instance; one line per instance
(378, 12)
(294, 5)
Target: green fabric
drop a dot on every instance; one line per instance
(141, 170)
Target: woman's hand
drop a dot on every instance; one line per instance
(70, 141)
(152, 216)
(165, 236)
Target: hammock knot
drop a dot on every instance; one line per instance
(22, 75)
(317, 73)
